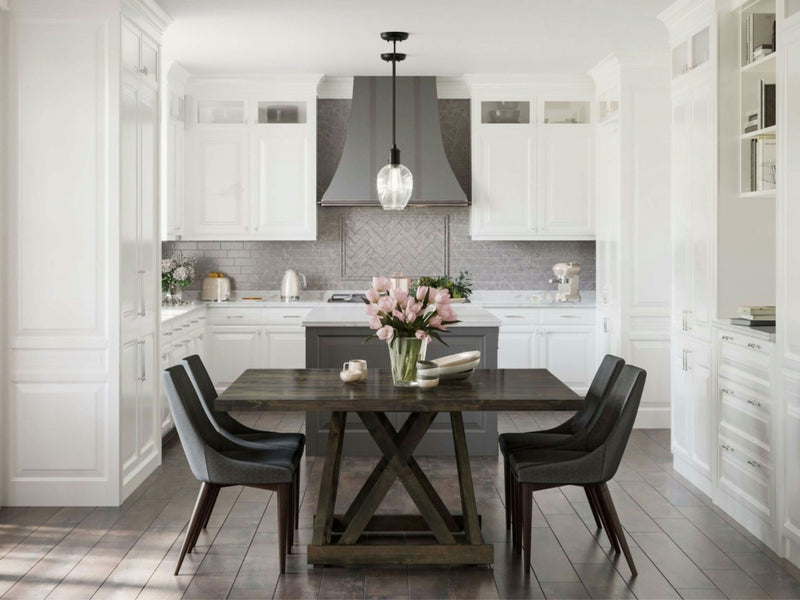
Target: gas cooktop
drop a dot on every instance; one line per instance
(353, 298)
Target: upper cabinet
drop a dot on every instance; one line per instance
(250, 160)
(532, 160)
(140, 53)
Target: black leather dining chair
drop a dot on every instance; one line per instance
(237, 431)
(217, 462)
(590, 467)
(569, 434)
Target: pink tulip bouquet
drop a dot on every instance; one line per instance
(407, 322)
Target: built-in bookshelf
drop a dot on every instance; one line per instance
(757, 94)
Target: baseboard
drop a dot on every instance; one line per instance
(791, 549)
(653, 417)
(688, 472)
(142, 472)
(72, 492)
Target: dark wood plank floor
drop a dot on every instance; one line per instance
(683, 547)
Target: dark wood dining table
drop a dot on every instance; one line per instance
(335, 539)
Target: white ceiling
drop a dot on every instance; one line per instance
(448, 37)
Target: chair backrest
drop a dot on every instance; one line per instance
(599, 390)
(205, 388)
(615, 422)
(195, 430)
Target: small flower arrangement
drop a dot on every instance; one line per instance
(176, 273)
(407, 321)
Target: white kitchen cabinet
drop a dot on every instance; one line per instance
(633, 222)
(217, 171)
(284, 201)
(531, 179)
(233, 349)
(140, 53)
(172, 225)
(251, 147)
(568, 352)
(693, 433)
(517, 348)
(504, 187)
(285, 347)
(566, 177)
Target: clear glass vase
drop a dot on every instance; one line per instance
(173, 296)
(404, 353)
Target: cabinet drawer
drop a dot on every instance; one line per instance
(567, 316)
(516, 316)
(747, 417)
(285, 316)
(235, 316)
(745, 478)
(753, 379)
(754, 355)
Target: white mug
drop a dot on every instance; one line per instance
(351, 372)
(361, 365)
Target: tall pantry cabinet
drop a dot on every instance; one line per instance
(693, 34)
(80, 420)
(633, 231)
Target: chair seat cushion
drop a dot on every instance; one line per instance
(273, 439)
(556, 467)
(533, 439)
(244, 467)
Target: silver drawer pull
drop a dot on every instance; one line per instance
(754, 346)
(291, 316)
(570, 316)
(202, 318)
(727, 391)
(235, 316)
(726, 447)
(193, 322)
(186, 326)
(753, 463)
(166, 333)
(754, 402)
(727, 338)
(513, 317)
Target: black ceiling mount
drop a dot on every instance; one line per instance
(393, 56)
(394, 36)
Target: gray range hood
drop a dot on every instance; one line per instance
(369, 137)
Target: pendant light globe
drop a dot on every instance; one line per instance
(395, 184)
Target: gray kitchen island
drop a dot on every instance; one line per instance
(335, 334)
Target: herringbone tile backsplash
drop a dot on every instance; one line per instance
(353, 244)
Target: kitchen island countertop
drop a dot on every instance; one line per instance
(353, 315)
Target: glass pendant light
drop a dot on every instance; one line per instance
(395, 182)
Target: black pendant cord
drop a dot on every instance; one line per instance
(394, 95)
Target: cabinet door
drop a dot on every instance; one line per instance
(149, 421)
(130, 278)
(129, 374)
(681, 401)
(200, 345)
(166, 415)
(568, 353)
(285, 347)
(504, 189)
(566, 175)
(703, 174)
(130, 47)
(149, 59)
(285, 198)
(148, 238)
(516, 349)
(699, 382)
(218, 171)
(681, 207)
(231, 350)
(608, 232)
(172, 208)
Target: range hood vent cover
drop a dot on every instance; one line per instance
(369, 135)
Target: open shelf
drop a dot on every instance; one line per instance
(759, 132)
(765, 64)
(759, 194)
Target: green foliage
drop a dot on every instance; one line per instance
(459, 287)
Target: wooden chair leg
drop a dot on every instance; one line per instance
(527, 499)
(604, 516)
(593, 506)
(516, 521)
(507, 487)
(204, 516)
(290, 519)
(614, 518)
(212, 502)
(195, 522)
(283, 521)
(297, 498)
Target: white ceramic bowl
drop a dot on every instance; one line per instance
(457, 376)
(459, 368)
(461, 358)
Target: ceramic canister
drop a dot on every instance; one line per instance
(427, 374)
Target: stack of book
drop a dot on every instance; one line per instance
(754, 316)
(759, 36)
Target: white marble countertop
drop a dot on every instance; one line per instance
(353, 315)
(764, 334)
(173, 312)
(485, 298)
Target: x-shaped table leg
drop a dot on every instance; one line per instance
(397, 463)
